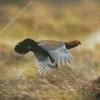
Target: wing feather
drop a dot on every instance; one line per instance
(59, 53)
(46, 70)
(44, 63)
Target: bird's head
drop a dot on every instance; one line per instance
(76, 42)
(72, 44)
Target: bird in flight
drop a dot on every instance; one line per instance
(50, 54)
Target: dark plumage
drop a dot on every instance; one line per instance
(49, 53)
(30, 45)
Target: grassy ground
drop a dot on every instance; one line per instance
(64, 84)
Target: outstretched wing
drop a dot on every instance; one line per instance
(59, 53)
(44, 63)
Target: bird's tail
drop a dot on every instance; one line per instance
(25, 46)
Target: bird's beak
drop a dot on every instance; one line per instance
(79, 43)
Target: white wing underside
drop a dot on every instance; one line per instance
(44, 64)
(59, 53)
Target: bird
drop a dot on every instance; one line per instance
(50, 54)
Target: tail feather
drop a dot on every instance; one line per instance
(25, 46)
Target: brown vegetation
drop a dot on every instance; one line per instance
(19, 76)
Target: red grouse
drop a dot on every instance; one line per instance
(50, 54)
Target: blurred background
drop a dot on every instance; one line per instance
(64, 20)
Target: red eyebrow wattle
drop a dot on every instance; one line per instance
(76, 40)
